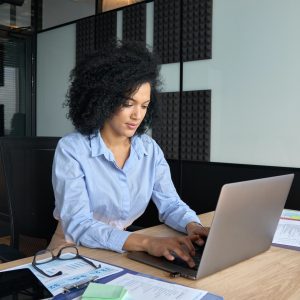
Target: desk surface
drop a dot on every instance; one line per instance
(273, 274)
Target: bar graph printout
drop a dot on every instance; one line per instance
(287, 234)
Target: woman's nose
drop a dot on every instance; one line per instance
(137, 113)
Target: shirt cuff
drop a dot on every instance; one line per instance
(188, 219)
(117, 239)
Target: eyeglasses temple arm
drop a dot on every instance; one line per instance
(89, 262)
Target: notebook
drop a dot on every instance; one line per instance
(243, 226)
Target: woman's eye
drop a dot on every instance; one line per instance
(145, 106)
(127, 104)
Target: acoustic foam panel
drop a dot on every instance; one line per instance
(85, 37)
(196, 29)
(166, 129)
(134, 23)
(167, 30)
(106, 29)
(195, 125)
(95, 32)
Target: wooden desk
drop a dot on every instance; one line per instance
(274, 274)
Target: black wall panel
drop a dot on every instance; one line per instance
(167, 30)
(134, 23)
(196, 29)
(85, 37)
(183, 128)
(188, 20)
(195, 125)
(166, 129)
(106, 29)
(95, 32)
(202, 182)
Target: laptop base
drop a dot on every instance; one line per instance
(163, 264)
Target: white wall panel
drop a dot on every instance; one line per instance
(170, 77)
(55, 60)
(253, 75)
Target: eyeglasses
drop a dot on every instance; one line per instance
(65, 253)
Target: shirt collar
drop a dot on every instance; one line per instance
(98, 147)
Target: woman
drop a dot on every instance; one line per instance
(106, 172)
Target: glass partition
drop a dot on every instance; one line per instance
(57, 12)
(16, 16)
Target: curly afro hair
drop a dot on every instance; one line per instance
(103, 80)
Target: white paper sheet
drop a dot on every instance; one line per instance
(145, 288)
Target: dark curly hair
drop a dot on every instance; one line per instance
(102, 82)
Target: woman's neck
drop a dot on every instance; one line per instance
(119, 146)
(112, 141)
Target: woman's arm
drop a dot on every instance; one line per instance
(172, 210)
(73, 205)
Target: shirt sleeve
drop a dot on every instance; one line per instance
(73, 207)
(172, 210)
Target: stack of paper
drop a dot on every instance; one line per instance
(287, 234)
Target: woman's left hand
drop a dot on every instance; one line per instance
(196, 229)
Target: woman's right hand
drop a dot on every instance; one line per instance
(169, 247)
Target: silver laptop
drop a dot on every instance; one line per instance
(243, 226)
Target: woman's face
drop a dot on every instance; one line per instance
(128, 118)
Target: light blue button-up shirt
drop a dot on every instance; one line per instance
(95, 199)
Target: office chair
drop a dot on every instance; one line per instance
(27, 166)
(4, 210)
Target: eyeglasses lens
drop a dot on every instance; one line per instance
(43, 256)
(68, 253)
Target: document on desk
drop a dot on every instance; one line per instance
(73, 271)
(140, 287)
(287, 234)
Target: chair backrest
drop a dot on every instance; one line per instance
(27, 165)
(4, 207)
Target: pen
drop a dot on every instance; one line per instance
(80, 284)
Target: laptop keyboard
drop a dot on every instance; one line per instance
(197, 258)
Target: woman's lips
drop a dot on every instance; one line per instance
(132, 126)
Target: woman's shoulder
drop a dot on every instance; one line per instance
(73, 140)
(146, 140)
(71, 137)
(149, 143)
